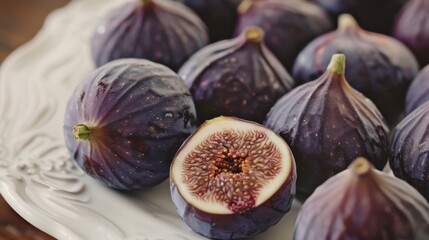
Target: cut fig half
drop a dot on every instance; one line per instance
(232, 179)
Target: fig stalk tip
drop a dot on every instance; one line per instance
(254, 34)
(337, 64)
(81, 132)
(346, 21)
(361, 166)
(244, 6)
(144, 2)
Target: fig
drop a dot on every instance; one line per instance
(373, 15)
(289, 25)
(238, 77)
(126, 120)
(232, 179)
(418, 93)
(220, 16)
(378, 66)
(366, 204)
(412, 28)
(327, 124)
(162, 31)
(409, 150)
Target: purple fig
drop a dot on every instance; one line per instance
(220, 16)
(378, 66)
(238, 77)
(328, 124)
(373, 15)
(366, 204)
(409, 149)
(288, 25)
(418, 93)
(412, 28)
(125, 122)
(162, 31)
(232, 179)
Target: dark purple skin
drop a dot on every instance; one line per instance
(409, 150)
(327, 124)
(220, 16)
(378, 66)
(373, 15)
(238, 77)
(288, 25)
(140, 113)
(418, 93)
(412, 28)
(162, 31)
(368, 205)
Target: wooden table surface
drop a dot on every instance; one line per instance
(19, 22)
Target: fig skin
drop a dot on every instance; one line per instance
(366, 204)
(373, 15)
(378, 66)
(220, 16)
(162, 31)
(409, 148)
(418, 92)
(288, 25)
(238, 77)
(238, 225)
(412, 28)
(327, 124)
(138, 114)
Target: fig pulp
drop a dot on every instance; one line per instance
(125, 122)
(162, 31)
(409, 150)
(418, 93)
(366, 204)
(378, 66)
(238, 77)
(220, 16)
(373, 15)
(412, 28)
(328, 124)
(288, 25)
(232, 179)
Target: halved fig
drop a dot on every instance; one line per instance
(232, 179)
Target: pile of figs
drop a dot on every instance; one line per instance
(246, 105)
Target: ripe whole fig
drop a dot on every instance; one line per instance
(328, 124)
(366, 204)
(238, 77)
(232, 179)
(418, 93)
(412, 28)
(124, 123)
(378, 66)
(373, 15)
(409, 149)
(220, 16)
(288, 25)
(162, 31)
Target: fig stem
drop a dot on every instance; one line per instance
(244, 6)
(347, 21)
(254, 34)
(361, 166)
(337, 64)
(145, 1)
(81, 132)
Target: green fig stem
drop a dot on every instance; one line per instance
(337, 64)
(346, 21)
(81, 132)
(360, 166)
(254, 34)
(144, 2)
(244, 6)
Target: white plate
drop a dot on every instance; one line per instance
(37, 176)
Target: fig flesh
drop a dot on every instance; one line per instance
(328, 124)
(412, 28)
(366, 204)
(409, 150)
(124, 123)
(418, 93)
(378, 66)
(238, 77)
(162, 31)
(232, 179)
(288, 25)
